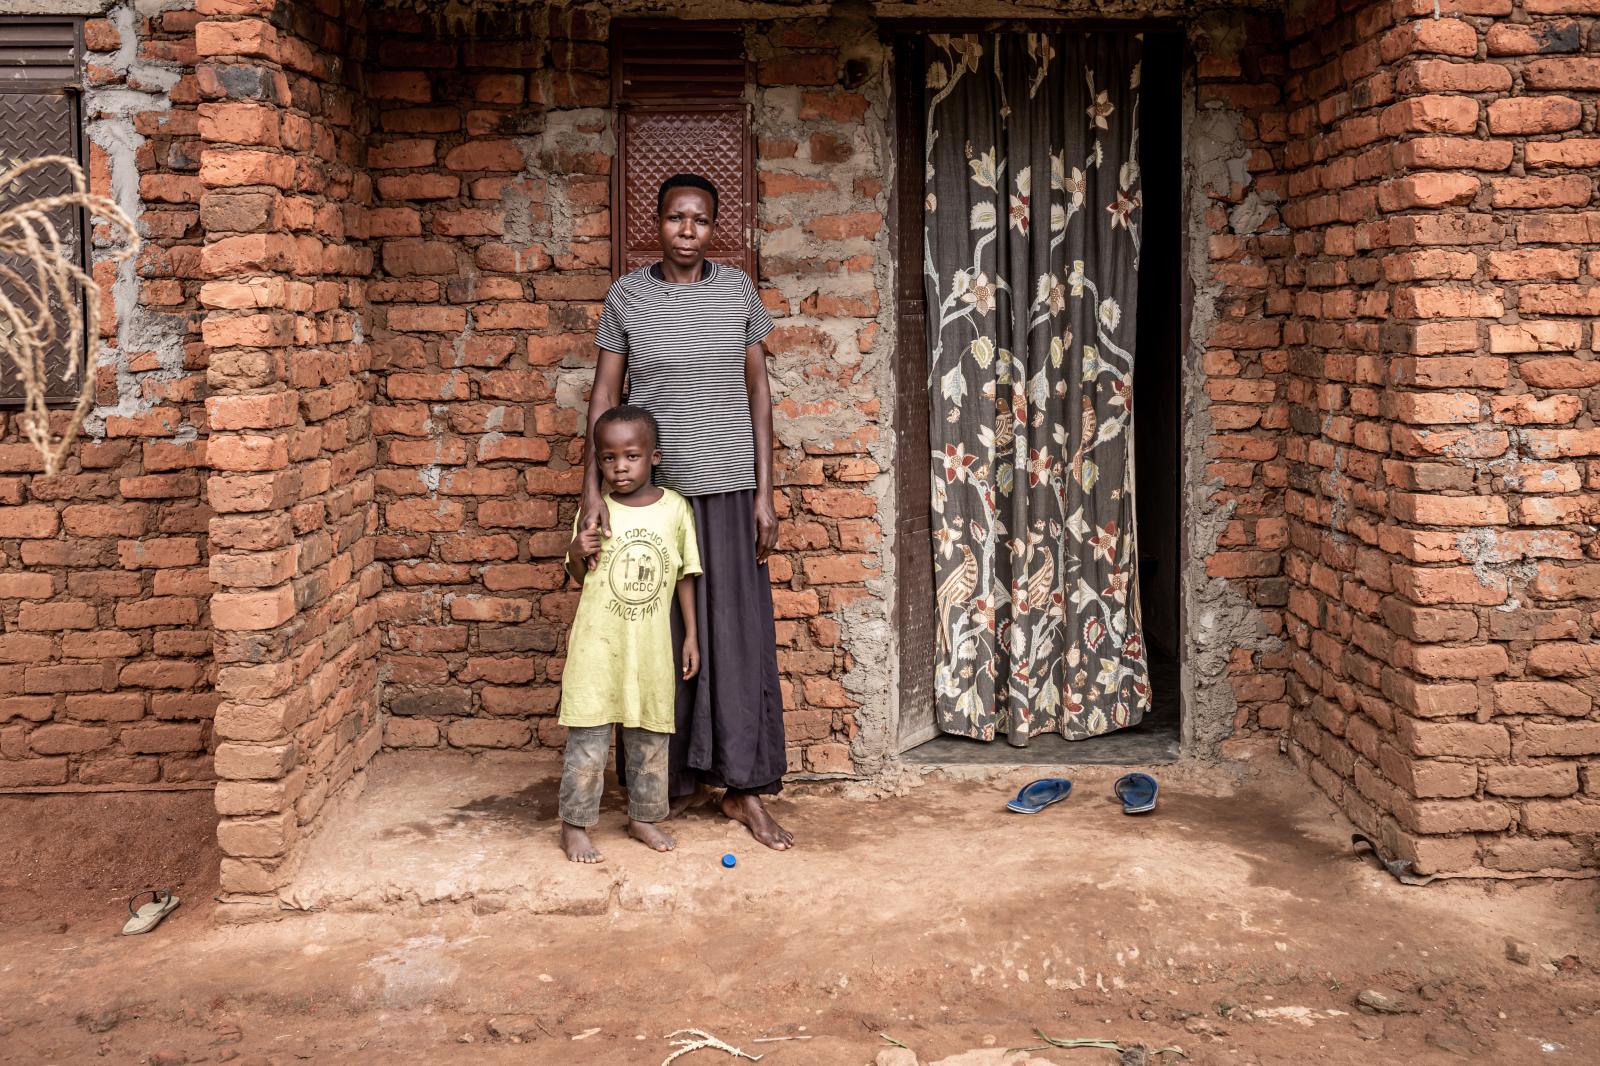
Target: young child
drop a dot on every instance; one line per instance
(619, 667)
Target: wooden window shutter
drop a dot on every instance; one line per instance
(40, 114)
(41, 53)
(679, 91)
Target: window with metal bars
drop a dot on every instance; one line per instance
(41, 114)
(679, 89)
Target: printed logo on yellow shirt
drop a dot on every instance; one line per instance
(637, 573)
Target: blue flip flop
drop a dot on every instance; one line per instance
(1035, 796)
(1137, 793)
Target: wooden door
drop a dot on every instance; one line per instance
(914, 608)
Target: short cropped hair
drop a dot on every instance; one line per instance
(625, 413)
(686, 181)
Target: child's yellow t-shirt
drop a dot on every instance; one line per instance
(621, 666)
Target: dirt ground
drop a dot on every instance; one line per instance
(1234, 924)
(66, 857)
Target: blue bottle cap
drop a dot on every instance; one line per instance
(728, 860)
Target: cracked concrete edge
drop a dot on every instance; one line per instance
(619, 892)
(1216, 616)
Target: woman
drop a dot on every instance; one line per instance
(687, 333)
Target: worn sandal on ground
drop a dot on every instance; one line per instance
(147, 917)
(1137, 793)
(1035, 796)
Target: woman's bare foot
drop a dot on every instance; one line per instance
(700, 795)
(648, 835)
(576, 843)
(747, 809)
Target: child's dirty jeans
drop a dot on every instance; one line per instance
(583, 775)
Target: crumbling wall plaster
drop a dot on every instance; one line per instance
(1218, 615)
(138, 85)
(838, 408)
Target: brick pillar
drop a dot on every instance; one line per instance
(1444, 665)
(290, 452)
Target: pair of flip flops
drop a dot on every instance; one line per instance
(1136, 791)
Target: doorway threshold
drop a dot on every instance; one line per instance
(1144, 745)
(1153, 741)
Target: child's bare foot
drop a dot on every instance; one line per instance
(747, 809)
(648, 835)
(576, 843)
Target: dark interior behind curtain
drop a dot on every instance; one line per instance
(1032, 219)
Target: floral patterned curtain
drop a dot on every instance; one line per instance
(1032, 227)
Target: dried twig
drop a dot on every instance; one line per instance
(48, 302)
(687, 1040)
(1050, 1042)
(1093, 1042)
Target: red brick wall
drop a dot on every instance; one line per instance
(1442, 599)
(492, 157)
(291, 449)
(105, 661)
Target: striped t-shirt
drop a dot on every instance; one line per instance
(685, 347)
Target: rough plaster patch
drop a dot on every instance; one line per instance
(1480, 548)
(559, 133)
(554, 233)
(572, 388)
(1217, 617)
(1247, 216)
(139, 329)
(1217, 157)
(1339, 508)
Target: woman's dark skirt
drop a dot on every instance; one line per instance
(730, 717)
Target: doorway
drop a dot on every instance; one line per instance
(1156, 443)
